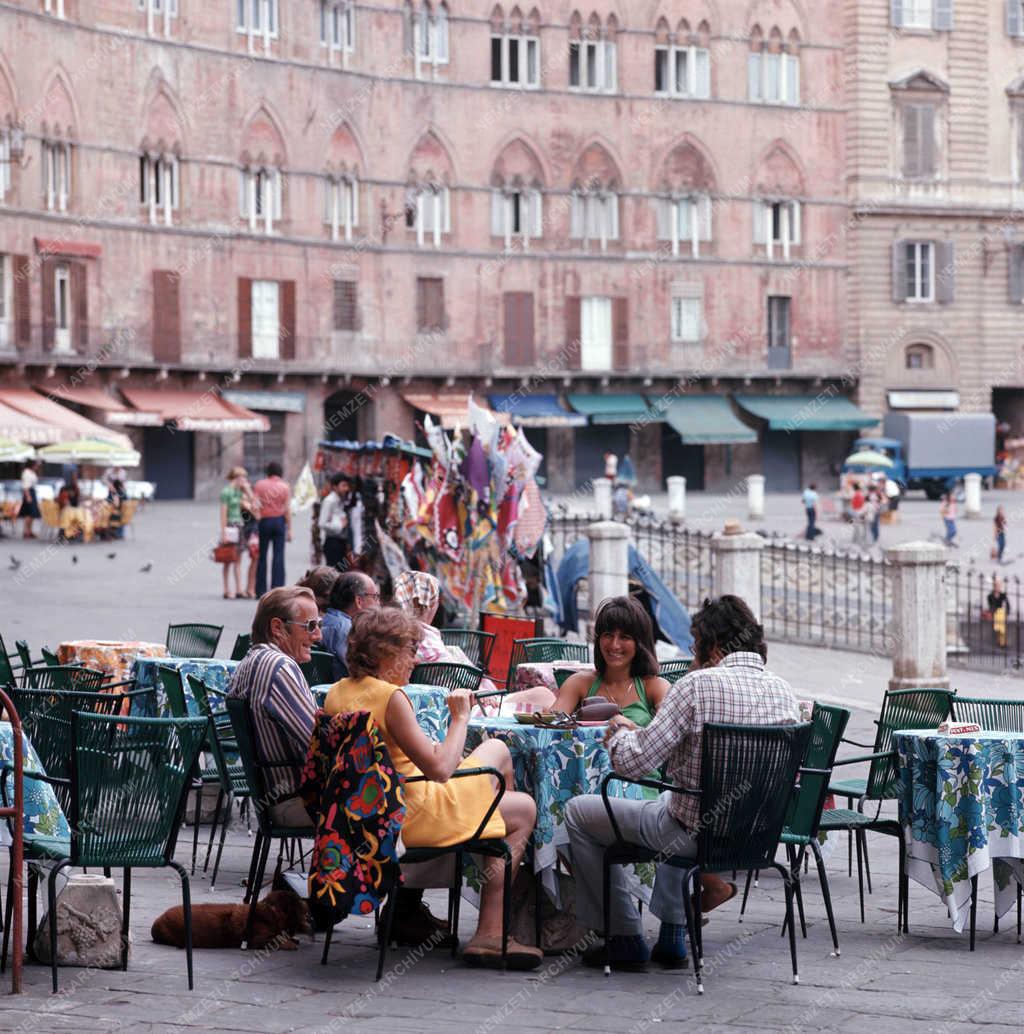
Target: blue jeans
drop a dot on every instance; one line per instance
(1000, 545)
(950, 529)
(272, 530)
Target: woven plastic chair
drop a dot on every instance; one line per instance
(9, 667)
(997, 715)
(901, 709)
(805, 809)
(26, 657)
(72, 678)
(242, 642)
(256, 775)
(673, 670)
(447, 674)
(543, 650)
(128, 783)
(746, 782)
(231, 774)
(49, 657)
(319, 669)
(193, 640)
(476, 645)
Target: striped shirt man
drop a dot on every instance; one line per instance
(283, 711)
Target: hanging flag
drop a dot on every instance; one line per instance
(304, 494)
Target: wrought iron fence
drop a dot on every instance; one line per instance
(983, 620)
(681, 557)
(825, 597)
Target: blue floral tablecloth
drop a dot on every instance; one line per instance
(43, 814)
(429, 703)
(552, 766)
(961, 804)
(214, 671)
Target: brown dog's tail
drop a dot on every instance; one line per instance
(169, 928)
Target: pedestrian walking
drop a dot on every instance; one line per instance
(29, 510)
(875, 504)
(947, 511)
(999, 529)
(810, 499)
(611, 465)
(231, 531)
(857, 503)
(275, 525)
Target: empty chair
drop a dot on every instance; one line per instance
(994, 715)
(242, 642)
(446, 674)
(476, 645)
(69, 677)
(193, 640)
(319, 669)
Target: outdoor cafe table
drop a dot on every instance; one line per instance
(961, 801)
(214, 671)
(115, 657)
(552, 766)
(44, 816)
(429, 703)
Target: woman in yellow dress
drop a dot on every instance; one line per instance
(381, 654)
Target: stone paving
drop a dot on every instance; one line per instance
(927, 981)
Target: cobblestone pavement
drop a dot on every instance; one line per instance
(927, 981)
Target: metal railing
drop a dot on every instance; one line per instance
(983, 630)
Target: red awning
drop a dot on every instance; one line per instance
(15, 424)
(451, 409)
(196, 410)
(93, 396)
(71, 425)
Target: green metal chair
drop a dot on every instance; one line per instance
(901, 709)
(193, 640)
(673, 670)
(8, 668)
(998, 715)
(25, 655)
(476, 645)
(319, 669)
(805, 809)
(49, 657)
(242, 642)
(542, 650)
(231, 774)
(747, 777)
(447, 674)
(262, 796)
(72, 678)
(129, 779)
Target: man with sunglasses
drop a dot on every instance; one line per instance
(285, 630)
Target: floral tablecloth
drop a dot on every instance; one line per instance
(542, 673)
(214, 671)
(552, 766)
(961, 804)
(115, 657)
(43, 814)
(429, 703)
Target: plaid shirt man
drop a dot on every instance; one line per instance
(283, 713)
(738, 691)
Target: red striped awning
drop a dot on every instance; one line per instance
(71, 425)
(196, 410)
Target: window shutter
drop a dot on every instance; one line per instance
(926, 126)
(942, 15)
(78, 285)
(497, 213)
(576, 216)
(945, 272)
(1017, 274)
(345, 310)
(436, 306)
(662, 218)
(1014, 18)
(792, 78)
(355, 200)
(430, 304)
(703, 72)
(759, 221)
(243, 194)
(244, 317)
(896, 10)
(46, 274)
(899, 271)
(620, 332)
(911, 140)
(536, 214)
(573, 342)
(754, 77)
(22, 301)
(286, 330)
(794, 222)
(166, 316)
(704, 209)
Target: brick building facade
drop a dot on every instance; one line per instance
(327, 210)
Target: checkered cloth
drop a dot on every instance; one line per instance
(738, 691)
(416, 587)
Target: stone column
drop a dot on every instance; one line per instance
(676, 497)
(919, 616)
(609, 561)
(603, 498)
(755, 496)
(972, 495)
(736, 565)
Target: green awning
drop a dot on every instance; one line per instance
(613, 409)
(821, 412)
(704, 420)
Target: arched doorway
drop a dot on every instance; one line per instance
(341, 417)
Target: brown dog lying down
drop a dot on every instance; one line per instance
(279, 917)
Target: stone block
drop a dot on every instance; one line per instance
(88, 924)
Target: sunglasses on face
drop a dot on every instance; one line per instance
(311, 626)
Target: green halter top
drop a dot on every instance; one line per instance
(640, 712)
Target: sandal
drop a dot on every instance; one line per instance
(486, 952)
(229, 595)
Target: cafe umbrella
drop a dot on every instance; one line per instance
(90, 451)
(12, 451)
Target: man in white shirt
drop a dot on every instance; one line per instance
(811, 509)
(334, 520)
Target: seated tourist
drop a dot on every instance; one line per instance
(381, 654)
(418, 593)
(320, 581)
(284, 632)
(351, 593)
(729, 683)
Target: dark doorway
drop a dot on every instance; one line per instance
(591, 445)
(261, 447)
(682, 460)
(781, 456)
(341, 417)
(168, 458)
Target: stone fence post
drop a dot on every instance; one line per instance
(609, 561)
(972, 495)
(603, 498)
(755, 496)
(736, 565)
(676, 497)
(919, 616)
